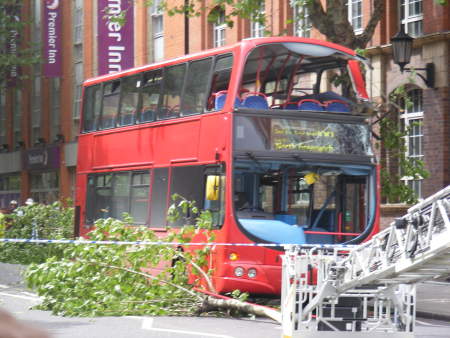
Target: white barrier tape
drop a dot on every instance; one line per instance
(77, 241)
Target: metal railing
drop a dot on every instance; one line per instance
(369, 288)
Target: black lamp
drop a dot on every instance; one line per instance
(402, 49)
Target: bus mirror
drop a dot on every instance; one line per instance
(311, 178)
(212, 187)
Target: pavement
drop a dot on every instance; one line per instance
(432, 300)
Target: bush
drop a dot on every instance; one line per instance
(41, 221)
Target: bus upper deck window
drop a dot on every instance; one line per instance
(221, 78)
(91, 108)
(111, 96)
(194, 97)
(129, 99)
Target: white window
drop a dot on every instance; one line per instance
(158, 31)
(257, 28)
(411, 14)
(55, 108)
(302, 23)
(219, 30)
(355, 15)
(78, 22)
(411, 122)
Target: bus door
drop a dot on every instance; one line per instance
(353, 206)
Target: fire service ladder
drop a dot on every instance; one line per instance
(368, 289)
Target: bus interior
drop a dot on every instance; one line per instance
(298, 76)
(291, 202)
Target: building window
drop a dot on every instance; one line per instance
(45, 187)
(36, 107)
(2, 118)
(355, 15)
(158, 31)
(219, 29)
(302, 23)
(78, 64)
(256, 27)
(411, 15)
(17, 117)
(411, 123)
(9, 189)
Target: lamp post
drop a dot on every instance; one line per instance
(402, 49)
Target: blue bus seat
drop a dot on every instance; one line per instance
(221, 97)
(290, 105)
(255, 100)
(337, 106)
(310, 104)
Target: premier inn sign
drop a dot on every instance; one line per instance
(115, 36)
(51, 38)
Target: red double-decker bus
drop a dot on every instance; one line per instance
(266, 134)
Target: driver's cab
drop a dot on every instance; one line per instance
(288, 203)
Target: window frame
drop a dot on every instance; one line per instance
(92, 200)
(219, 30)
(406, 18)
(302, 24)
(354, 19)
(409, 116)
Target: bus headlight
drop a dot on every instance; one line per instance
(239, 272)
(251, 273)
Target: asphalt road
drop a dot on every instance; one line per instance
(17, 300)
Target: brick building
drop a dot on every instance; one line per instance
(39, 119)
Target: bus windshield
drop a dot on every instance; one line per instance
(303, 202)
(304, 76)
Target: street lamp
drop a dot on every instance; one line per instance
(402, 49)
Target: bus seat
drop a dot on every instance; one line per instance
(108, 122)
(147, 115)
(310, 104)
(290, 105)
(221, 97)
(127, 119)
(255, 100)
(337, 106)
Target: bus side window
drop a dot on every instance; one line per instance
(158, 208)
(187, 181)
(91, 108)
(220, 79)
(129, 100)
(194, 97)
(151, 92)
(111, 96)
(215, 197)
(171, 92)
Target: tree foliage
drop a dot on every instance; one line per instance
(53, 221)
(96, 280)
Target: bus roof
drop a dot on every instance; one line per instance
(244, 45)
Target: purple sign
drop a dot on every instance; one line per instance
(45, 158)
(13, 41)
(51, 38)
(115, 37)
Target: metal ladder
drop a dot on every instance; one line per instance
(368, 289)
